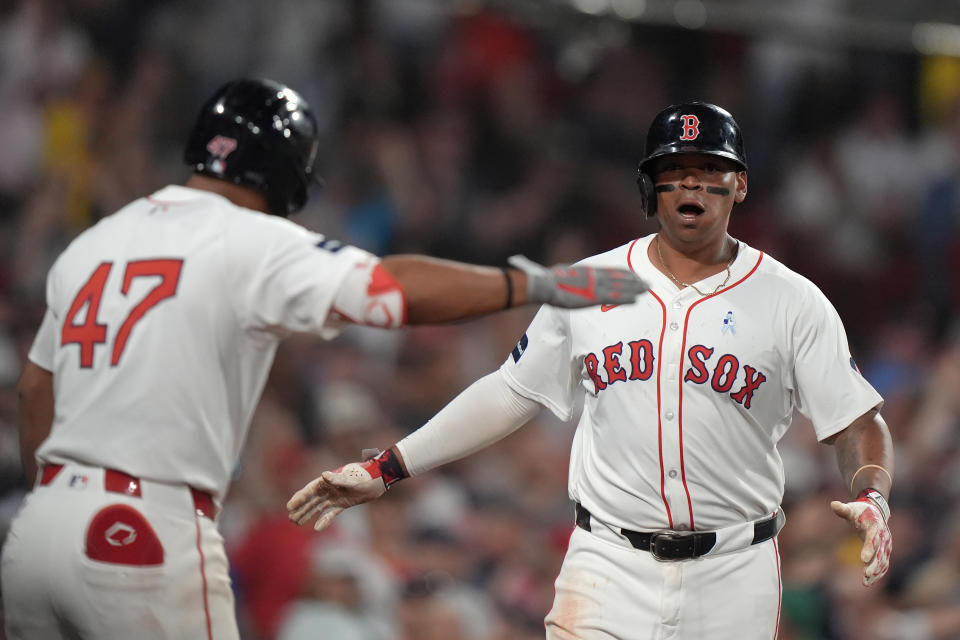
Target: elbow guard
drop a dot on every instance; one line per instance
(369, 295)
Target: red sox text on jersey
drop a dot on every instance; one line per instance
(636, 362)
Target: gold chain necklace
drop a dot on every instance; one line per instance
(681, 284)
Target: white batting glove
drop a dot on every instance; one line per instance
(334, 491)
(872, 528)
(578, 286)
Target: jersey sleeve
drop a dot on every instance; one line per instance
(44, 349)
(285, 276)
(828, 387)
(45, 343)
(541, 367)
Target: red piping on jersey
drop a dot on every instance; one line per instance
(663, 328)
(683, 351)
(776, 552)
(629, 252)
(203, 577)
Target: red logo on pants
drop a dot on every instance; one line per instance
(121, 535)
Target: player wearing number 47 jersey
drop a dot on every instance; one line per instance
(162, 322)
(674, 469)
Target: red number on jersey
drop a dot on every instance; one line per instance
(90, 333)
(169, 272)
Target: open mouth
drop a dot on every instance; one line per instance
(690, 209)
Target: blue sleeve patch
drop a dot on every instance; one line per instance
(520, 348)
(330, 245)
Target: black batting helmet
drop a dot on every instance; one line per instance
(692, 127)
(259, 134)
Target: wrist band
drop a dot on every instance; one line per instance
(875, 497)
(506, 276)
(867, 466)
(390, 467)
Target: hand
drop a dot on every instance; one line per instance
(335, 491)
(873, 530)
(578, 286)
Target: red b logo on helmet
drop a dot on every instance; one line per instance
(691, 127)
(221, 146)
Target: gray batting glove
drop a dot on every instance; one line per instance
(578, 286)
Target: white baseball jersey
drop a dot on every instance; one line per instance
(161, 327)
(686, 396)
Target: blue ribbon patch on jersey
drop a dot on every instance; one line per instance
(729, 324)
(520, 348)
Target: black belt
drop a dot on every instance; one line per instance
(669, 545)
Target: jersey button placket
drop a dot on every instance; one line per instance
(669, 411)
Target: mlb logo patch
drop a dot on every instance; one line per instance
(78, 481)
(520, 348)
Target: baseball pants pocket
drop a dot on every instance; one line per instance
(119, 597)
(120, 535)
(87, 563)
(187, 596)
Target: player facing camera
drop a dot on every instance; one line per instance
(681, 399)
(694, 129)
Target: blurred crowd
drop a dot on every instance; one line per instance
(459, 130)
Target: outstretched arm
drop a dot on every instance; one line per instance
(443, 290)
(485, 412)
(865, 457)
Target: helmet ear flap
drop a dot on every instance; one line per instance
(648, 194)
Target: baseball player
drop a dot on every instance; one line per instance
(674, 468)
(161, 325)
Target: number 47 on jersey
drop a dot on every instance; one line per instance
(90, 332)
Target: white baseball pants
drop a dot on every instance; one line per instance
(80, 561)
(608, 591)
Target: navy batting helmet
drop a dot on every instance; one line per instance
(259, 134)
(692, 127)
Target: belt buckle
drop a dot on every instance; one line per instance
(660, 540)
